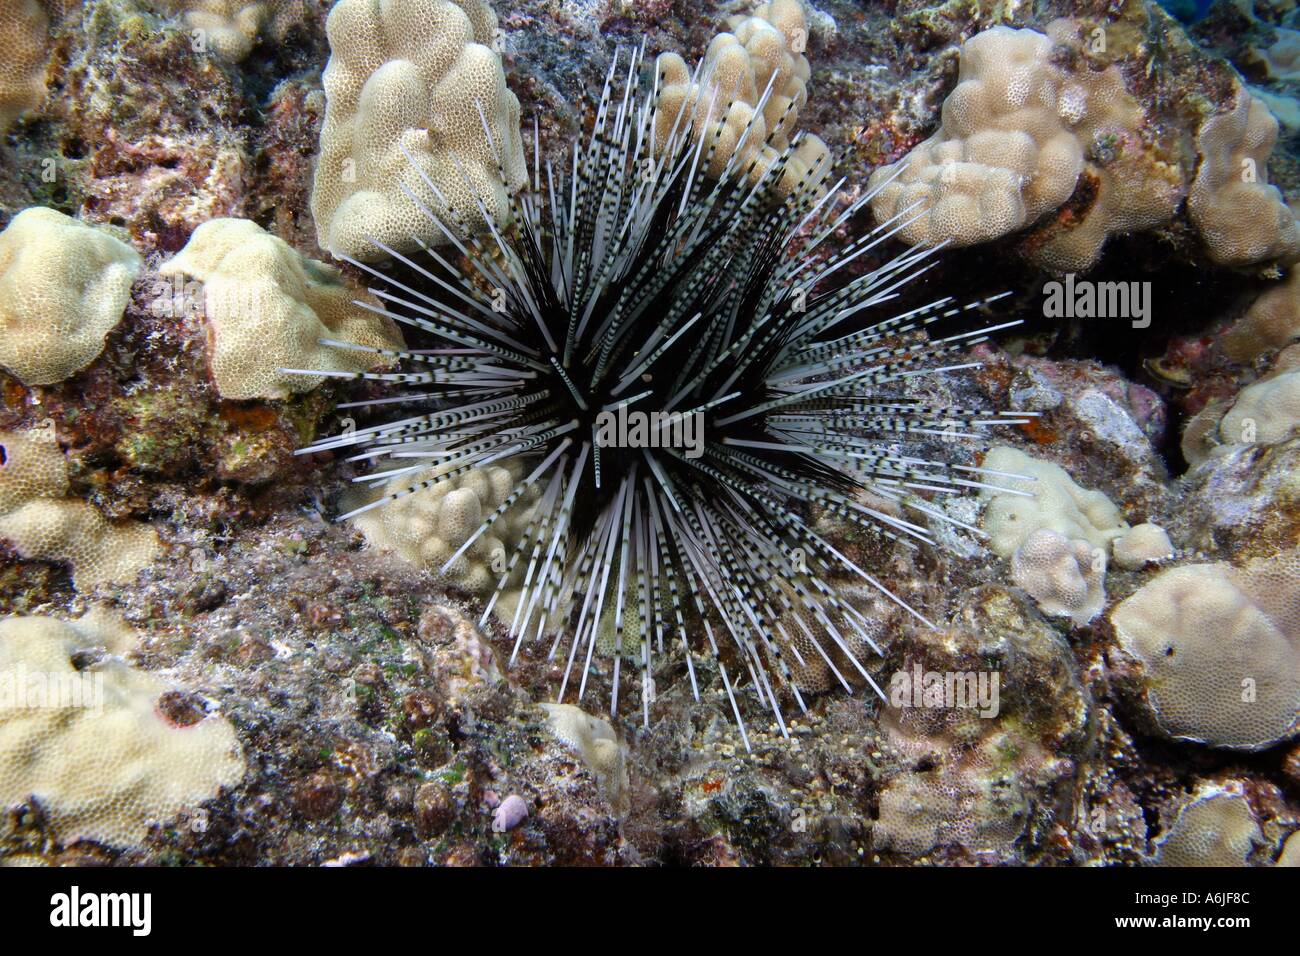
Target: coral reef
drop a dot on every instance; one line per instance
(100, 751)
(1067, 578)
(764, 55)
(1214, 828)
(1018, 132)
(228, 27)
(405, 85)
(429, 528)
(1242, 219)
(41, 522)
(1272, 322)
(324, 695)
(63, 286)
(268, 307)
(1220, 649)
(1041, 495)
(24, 49)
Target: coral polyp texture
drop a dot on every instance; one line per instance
(676, 387)
(1243, 220)
(418, 117)
(1272, 322)
(64, 285)
(41, 522)
(1215, 828)
(24, 49)
(633, 432)
(431, 526)
(1220, 650)
(743, 101)
(228, 27)
(1018, 132)
(87, 748)
(269, 308)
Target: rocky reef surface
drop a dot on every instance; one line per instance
(329, 701)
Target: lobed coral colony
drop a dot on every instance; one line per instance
(463, 432)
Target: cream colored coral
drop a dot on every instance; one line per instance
(1057, 503)
(429, 526)
(595, 742)
(1016, 134)
(1271, 322)
(766, 47)
(1215, 828)
(42, 523)
(1221, 649)
(1281, 59)
(229, 27)
(63, 286)
(24, 40)
(1242, 219)
(1142, 545)
(1264, 413)
(1067, 578)
(1290, 855)
(406, 75)
(269, 306)
(90, 746)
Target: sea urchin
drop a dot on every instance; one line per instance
(681, 373)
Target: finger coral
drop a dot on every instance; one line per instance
(429, 527)
(1243, 220)
(24, 39)
(42, 523)
(63, 286)
(1017, 132)
(88, 748)
(268, 307)
(1220, 650)
(720, 103)
(405, 84)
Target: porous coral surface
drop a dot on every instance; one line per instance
(357, 709)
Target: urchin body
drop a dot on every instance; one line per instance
(679, 369)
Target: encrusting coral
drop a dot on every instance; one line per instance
(268, 307)
(1219, 647)
(228, 27)
(24, 38)
(1143, 544)
(1271, 322)
(90, 747)
(1243, 220)
(63, 286)
(1067, 578)
(1264, 413)
(765, 49)
(594, 740)
(1214, 828)
(416, 101)
(42, 523)
(1018, 131)
(1042, 496)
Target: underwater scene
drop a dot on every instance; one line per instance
(649, 433)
